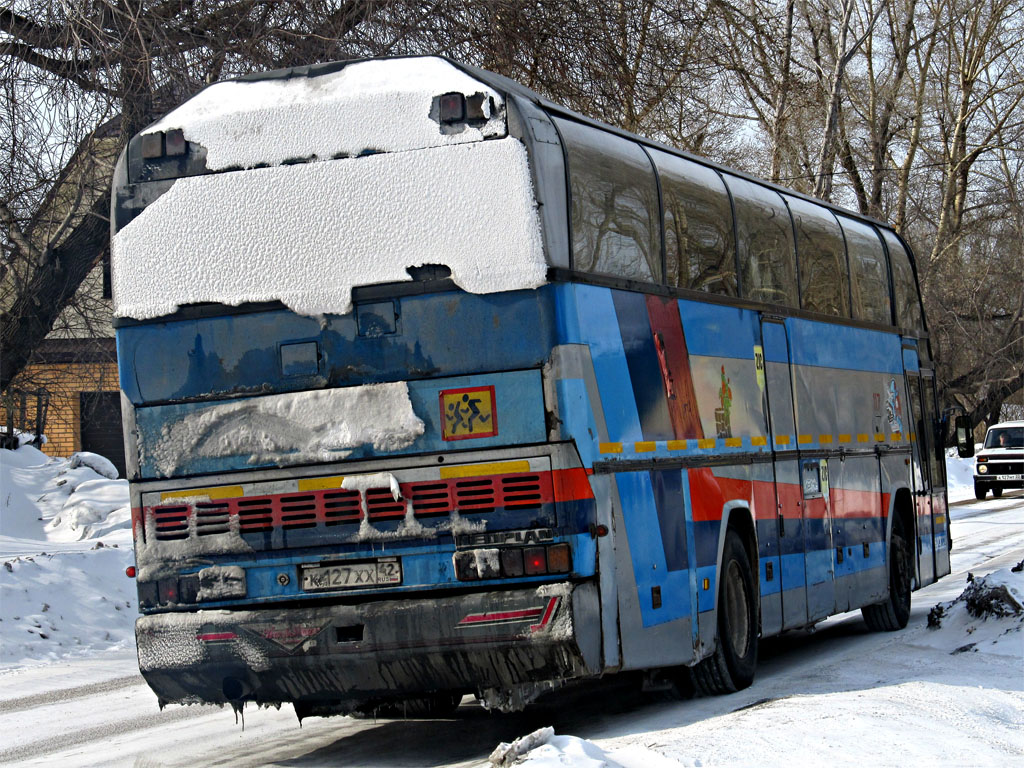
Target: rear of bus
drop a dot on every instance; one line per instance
(333, 326)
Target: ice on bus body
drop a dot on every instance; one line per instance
(293, 427)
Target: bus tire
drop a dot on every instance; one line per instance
(731, 667)
(894, 612)
(979, 491)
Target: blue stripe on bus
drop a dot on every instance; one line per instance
(642, 361)
(600, 329)
(668, 499)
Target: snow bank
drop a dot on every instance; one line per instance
(95, 508)
(987, 617)
(56, 604)
(95, 462)
(320, 425)
(306, 234)
(57, 500)
(384, 106)
(959, 476)
(62, 588)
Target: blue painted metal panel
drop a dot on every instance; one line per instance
(841, 346)
(577, 416)
(715, 330)
(600, 328)
(648, 552)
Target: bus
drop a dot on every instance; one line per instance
(433, 387)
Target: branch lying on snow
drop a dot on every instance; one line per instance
(506, 754)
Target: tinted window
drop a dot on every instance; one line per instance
(821, 253)
(615, 216)
(765, 237)
(699, 249)
(869, 276)
(908, 304)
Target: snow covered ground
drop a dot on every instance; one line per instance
(70, 693)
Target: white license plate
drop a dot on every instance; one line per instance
(385, 571)
(1008, 477)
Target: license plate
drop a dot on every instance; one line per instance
(1008, 477)
(329, 576)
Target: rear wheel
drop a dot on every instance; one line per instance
(979, 491)
(731, 667)
(894, 612)
(997, 491)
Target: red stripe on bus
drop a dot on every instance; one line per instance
(571, 484)
(521, 615)
(547, 615)
(674, 361)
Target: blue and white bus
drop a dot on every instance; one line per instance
(433, 387)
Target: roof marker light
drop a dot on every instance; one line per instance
(175, 144)
(152, 146)
(451, 107)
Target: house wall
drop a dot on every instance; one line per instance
(65, 381)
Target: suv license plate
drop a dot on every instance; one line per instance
(328, 576)
(1008, 477)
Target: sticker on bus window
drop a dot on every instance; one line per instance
(468, 413)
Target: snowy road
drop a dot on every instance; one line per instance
(838, 694)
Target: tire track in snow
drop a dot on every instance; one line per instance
(61, 742)
(67, 694)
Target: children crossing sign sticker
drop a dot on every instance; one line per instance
(468, 413)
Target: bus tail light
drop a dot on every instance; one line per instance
(535, 561)
(558, 558)
(512, 562)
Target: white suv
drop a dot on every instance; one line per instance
(1000, 463)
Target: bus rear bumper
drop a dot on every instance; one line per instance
(348, 657)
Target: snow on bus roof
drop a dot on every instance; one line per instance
(307, 234)
(377, 105)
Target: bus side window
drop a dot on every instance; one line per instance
(908, 304)
(869, 275)
(765, 235)
(821, 254)
(615, 218)
(700, 251)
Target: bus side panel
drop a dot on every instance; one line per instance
(674, 379)
(858, 532)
